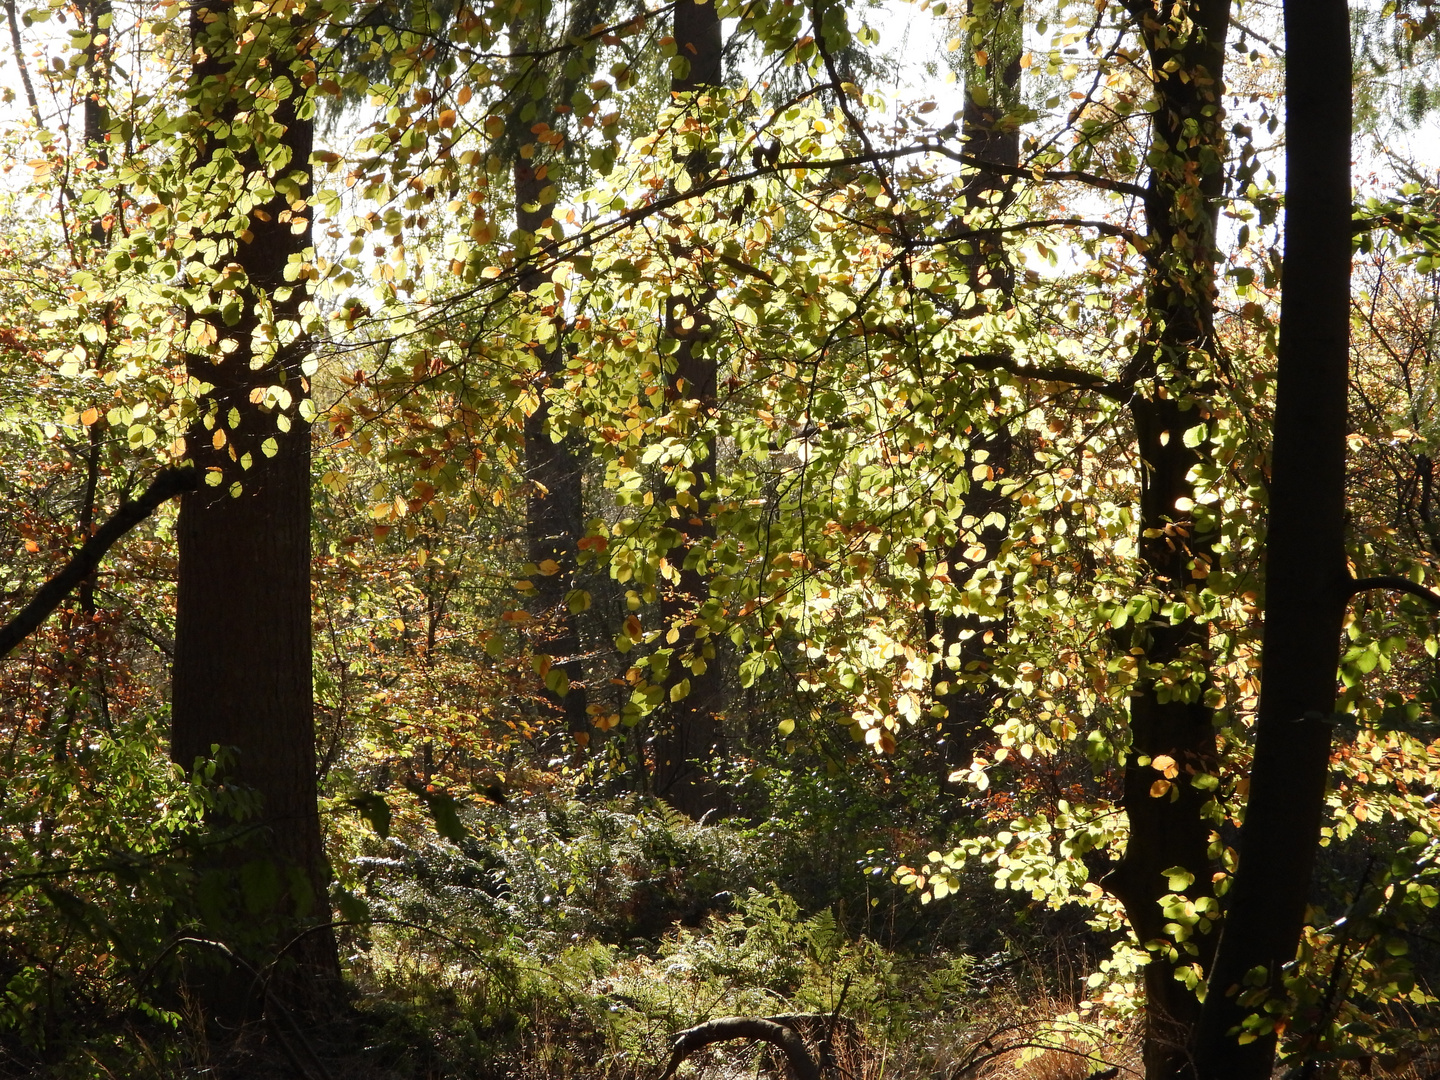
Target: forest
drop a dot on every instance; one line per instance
(814, 539)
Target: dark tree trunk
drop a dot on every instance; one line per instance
(689, 729)
(1185, 42)
(1306, 580)
(242, 672)
(554, 511)
(990, 138)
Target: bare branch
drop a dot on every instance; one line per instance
(165, 486)
(1394, 584)
(725, 1028)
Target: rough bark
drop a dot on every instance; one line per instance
(1185, 42)
(1306, 581)
(689, 730)
(242, 669)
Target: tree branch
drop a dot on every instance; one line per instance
(1394, 584)
(725, 1028)
(165, 486)
(1120, 187)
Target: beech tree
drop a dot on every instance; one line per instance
(243, 652)
(941, 415)
(1307, 584)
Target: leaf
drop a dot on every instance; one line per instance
(444, 811)
(557, 682)
(374, 809)
(352, 908)
(1178, 878)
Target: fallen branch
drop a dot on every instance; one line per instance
(165, 486)
(726, 1028)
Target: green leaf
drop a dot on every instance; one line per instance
(374, 809)
(444, 811)
(1178, 878)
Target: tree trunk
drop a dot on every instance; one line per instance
(242, 671)
(1306, 580)
(1185, 43)
(988, 139)
(554, 511)
(689, 730)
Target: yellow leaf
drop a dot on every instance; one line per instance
(549, 566)
(1164, 763)
(1159, 788)
(219, 440)
(89, 416)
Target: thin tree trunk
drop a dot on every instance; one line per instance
(1185, 42)
(96, 107)
(242, 670)
(689, 730)
(13, 18)
(1306, 580)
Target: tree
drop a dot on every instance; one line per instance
(688, 734)
(554, 465)
(1307, 585)
(242, 670)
